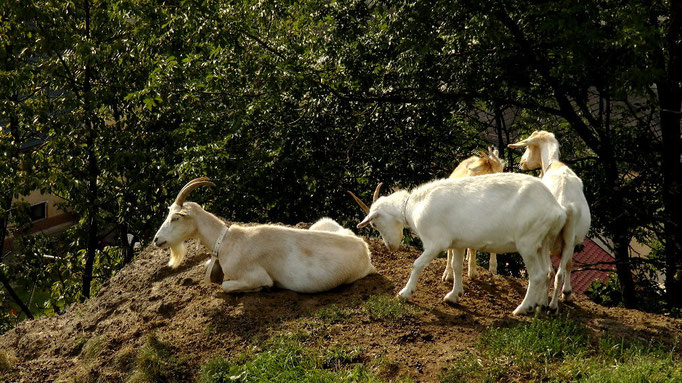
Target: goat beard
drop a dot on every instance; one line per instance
(177, 254)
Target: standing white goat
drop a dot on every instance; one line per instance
(475, 166)
(502, 212)
(542, 151)
(252, 257)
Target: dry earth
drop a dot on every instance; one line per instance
(201, 321)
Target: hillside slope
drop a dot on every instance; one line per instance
(200, 321)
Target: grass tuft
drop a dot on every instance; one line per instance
(124, 359)
(286, 359)
(92, 349)
(560, 350)
(156, 362)
(339, 357)
(385, 307)
(332, 314)
(6, 361)
(544, 340)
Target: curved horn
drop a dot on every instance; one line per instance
(359, 201)
(191, 185)
(376, 192)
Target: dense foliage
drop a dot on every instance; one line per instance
(287, 105)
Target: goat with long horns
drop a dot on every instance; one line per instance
(253, 257)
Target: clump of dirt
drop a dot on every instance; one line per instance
(199, 321)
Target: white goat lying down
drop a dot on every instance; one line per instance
(328, 224)
(475, 166)
(252, 257)
(542, 151)
(502, 212)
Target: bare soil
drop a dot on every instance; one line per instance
(200, 321)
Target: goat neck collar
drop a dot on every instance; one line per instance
(404, 212)
(219, 241)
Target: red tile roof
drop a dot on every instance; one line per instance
(589, 258)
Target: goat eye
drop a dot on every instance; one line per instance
(175, 219)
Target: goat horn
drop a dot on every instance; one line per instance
(191, 185)
(191, 182)
(376, 192)
(359, 201)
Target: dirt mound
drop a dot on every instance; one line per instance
(200, 321)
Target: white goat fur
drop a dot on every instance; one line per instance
(475, 166)
(502, 212)
(542, 151)
(328, 224)
(252, 257)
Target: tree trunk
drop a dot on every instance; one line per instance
(671, 104)
(620, 222)
(93, 211)
(670, 100)
(7, 203)
(499, 123)
(93, 170)
(15, 297)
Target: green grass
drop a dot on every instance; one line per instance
(156, 362)
(332, 314)
(538, 340)
(287, 359)
(560, 350)
(92, 349)
(386, 307)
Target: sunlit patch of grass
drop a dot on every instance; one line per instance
(538, 340)
(385, 307)
(559, 349)
(286, 359)
(468, 368)
(619, 361)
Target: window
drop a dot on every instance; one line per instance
(38, 211)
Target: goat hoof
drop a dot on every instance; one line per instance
(521, 310)
(452, 298)
(404, 294)
(568, 296)
(447, 277)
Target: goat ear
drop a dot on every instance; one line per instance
(182, 213)
(519, 144)
(367, 220)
